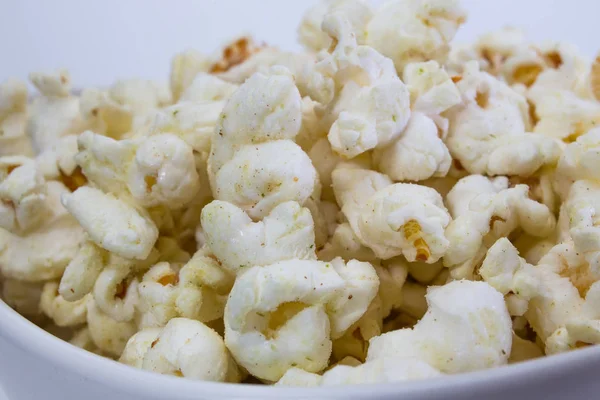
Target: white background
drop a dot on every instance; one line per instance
(103, 40)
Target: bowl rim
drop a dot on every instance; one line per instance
(30, 338)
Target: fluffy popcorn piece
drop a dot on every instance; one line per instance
(252, 137)
(61, 311)
(164, 172)
(23, 297)
(564, 116)
(285, 314)
(467, 327)
(115, 294)
(552, 289)
(24, 203)
(419, 146)
(192, 122)
(579, 160)
(497, 46)
(311, 34)
(82, 271)
(108, 335)
(566, 70)
(138, 345)
(115, 225)
(484, 210)
(286, 233)
(415, 30)
(104, 115)
(13, 118)
(58, 163)
(259, 177)
(44, 253)
(185, 67)
(372, 106)
(197, 291)
(488, 133)
(400, 219)
(506, 272)
(432, 91)
(581, 206)
(55, 113)
(184, 348)
(104, 160)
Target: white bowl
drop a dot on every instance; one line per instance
(35, 365)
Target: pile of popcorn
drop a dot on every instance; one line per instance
(382, 207)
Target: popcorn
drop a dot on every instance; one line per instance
(382, 370)
(390, 220)
(294, 299)
(123, 108)
(286, 233)
(163, 172)
(260, 177)
(371, 106)
(13, 118)
(138, 345)
(311, 34)
(432, 91)
(55, 113)
(44, 252)
(116, 226)
(197, 291)
(566, 71)
(115, 294)
(313, 216)
(182, 348)
(484, 210)
(108, 335)
(477, 330)
(564, 116)
(580, 207)
(24, 204)
(419, 146)
(252, 142)
(552, 289)
(62, 312)
(82, 271)
(415, 30)
(578, 161)
(185, 67)
(488, 133)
